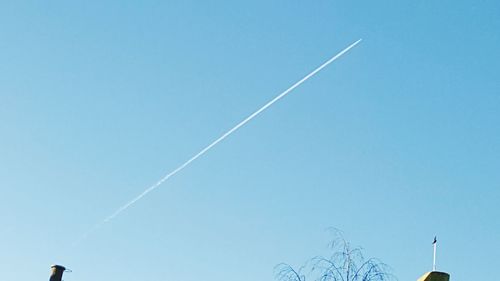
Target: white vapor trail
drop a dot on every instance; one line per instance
(214, 143)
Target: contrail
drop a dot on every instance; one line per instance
(214, 143)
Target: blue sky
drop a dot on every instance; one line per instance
(396, 142)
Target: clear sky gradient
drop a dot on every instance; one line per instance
(394, 143)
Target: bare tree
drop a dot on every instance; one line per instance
(285, 272)
(346, 263)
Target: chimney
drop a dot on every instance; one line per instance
(435, 276)
(56, 272)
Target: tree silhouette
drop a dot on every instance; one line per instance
(346, 263)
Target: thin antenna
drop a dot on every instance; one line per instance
(434, 244)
